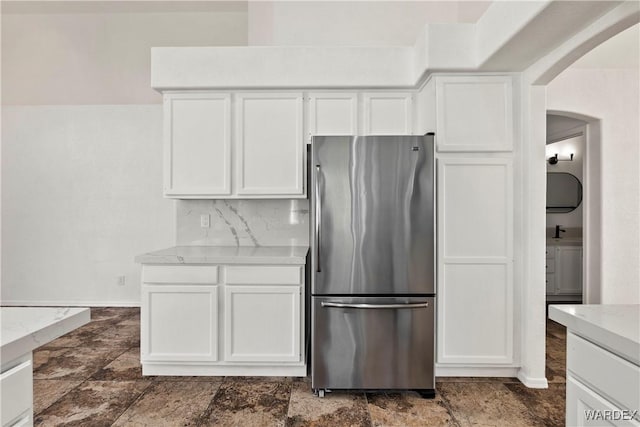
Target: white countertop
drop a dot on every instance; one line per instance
(564, 241)
(226, 255)
(615, 327)
(26, 328)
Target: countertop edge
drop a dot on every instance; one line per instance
(620, 345)
(160, 257)
(33, 340)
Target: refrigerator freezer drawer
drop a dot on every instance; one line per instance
(373, 343)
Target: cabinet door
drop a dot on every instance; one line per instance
(197, 145)
(475, 261)
(569, 270)
(262, 324)
(270, 152)
(16, 387)
(179, 323)
(474, 113)
(388, 113)
(333, 113)
(584, 406)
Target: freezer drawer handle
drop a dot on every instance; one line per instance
(374, 306)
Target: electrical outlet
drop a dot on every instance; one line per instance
(205, 221)
(121, 280)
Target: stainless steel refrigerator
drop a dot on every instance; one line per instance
(373, 254)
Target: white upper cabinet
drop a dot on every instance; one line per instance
(388, 113)
(333, 113)
(197, 144)
(263, 158)
(270, 144)
(474, 114)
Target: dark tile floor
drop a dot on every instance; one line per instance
(92, 377)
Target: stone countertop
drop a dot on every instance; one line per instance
(615, 327)
(564, 241)
(226, 255)
(27, 328)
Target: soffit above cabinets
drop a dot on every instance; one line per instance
(501, 41)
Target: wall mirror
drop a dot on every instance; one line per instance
(564, 192)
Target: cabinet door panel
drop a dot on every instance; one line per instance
(474, 113)
(270, 155)
(179, 323)
(476, 314)
(16, 386)
(475, 261)
(388, 113)
(262, 323)
(569, 270)
(333, 114)
(197, 144)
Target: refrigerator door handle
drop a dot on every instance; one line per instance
(374, 306)
(318, 218)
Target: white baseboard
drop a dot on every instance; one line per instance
(473, 371)
(173, 369)
(532, 382)
(29, 303)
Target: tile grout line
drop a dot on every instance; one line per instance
(447, 406)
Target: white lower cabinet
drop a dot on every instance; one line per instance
(262, 323)
(180, 323)
(16, 389)
(564, 272)
(602, 388)
(237, 320)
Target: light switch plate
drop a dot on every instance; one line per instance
(205, 220)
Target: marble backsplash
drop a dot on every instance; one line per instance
(243, 222)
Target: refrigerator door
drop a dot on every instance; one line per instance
(373, 214)
(373, 343)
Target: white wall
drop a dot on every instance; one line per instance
(82, 142)
(352, 23)
(100, 58)
(82, 195)
(611, 95)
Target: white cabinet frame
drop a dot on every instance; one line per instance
(406, 101)
(297, 187)
(314, 116)
(496, 140)
(170, 190)
(147, 307)
(230, 354)
(500, 265)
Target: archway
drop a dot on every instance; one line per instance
(534, 107)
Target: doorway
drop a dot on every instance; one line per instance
(566, 152)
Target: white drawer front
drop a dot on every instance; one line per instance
(264, 275)
(585, 407)
(193, 274)
(608, 374)
(16, 388)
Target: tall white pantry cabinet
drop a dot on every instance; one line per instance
(241, 144)
(474, 126)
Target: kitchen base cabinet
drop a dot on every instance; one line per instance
(235, 320)
(603, 363)
(185, 323)
(262, 323)
(564, 273)
(16, 388)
